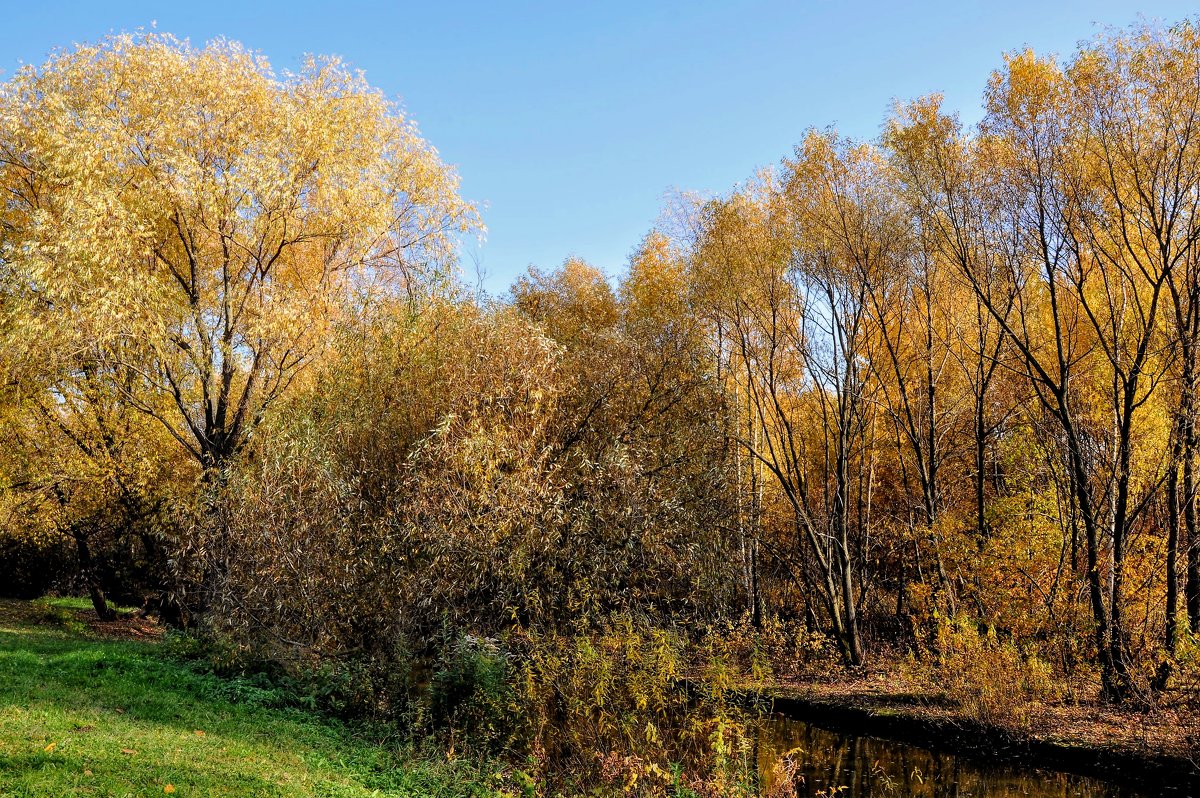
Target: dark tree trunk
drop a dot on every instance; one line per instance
(87, 566)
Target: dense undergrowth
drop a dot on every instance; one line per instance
(619, 707)
(626, 709)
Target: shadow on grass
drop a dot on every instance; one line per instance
(88, 715)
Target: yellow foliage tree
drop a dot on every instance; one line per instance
(200, 222)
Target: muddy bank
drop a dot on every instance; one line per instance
(1144, 752)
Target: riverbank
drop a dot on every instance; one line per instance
(106, 708)
(1153, 752)
(103, 708)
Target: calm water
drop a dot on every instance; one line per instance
(826, 763)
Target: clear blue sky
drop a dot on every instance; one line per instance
(571, 120)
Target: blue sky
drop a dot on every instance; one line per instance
(571, 121)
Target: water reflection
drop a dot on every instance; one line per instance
(797, 759)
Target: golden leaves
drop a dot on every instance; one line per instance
(203, 222)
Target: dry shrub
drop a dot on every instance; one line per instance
(776, 649)
(991, 679)
(614, 706)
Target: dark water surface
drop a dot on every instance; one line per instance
(817, 762)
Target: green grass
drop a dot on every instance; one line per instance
(81, 715)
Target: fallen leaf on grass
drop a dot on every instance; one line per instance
(169, 788)
(87, 772)
(129, 751)
(199, 733)
(50, 747)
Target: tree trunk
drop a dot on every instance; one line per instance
(1170, 634)
(87, 566)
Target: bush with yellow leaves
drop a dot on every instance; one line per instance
(991, 679)
(618, 705)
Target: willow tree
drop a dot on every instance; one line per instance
(941, 175)
(1097, 169)
(793, 314)
(199, 223)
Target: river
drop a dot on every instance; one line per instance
(799, 759)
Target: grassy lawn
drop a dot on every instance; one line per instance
(83, 713)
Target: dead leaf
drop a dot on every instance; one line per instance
(129, 751)
(50, 747)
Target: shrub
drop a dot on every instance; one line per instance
(776, 648)
(34, 564)
(991, 679)
(618, 705)
(470, 693)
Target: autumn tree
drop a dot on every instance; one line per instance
(220, 216)
(635, 437)
(1099, 169)
(81, 464)
(942, 181)
(793, 311)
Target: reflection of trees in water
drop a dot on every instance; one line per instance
(797, 759)
(781, 758)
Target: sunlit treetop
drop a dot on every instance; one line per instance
(220, 215)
